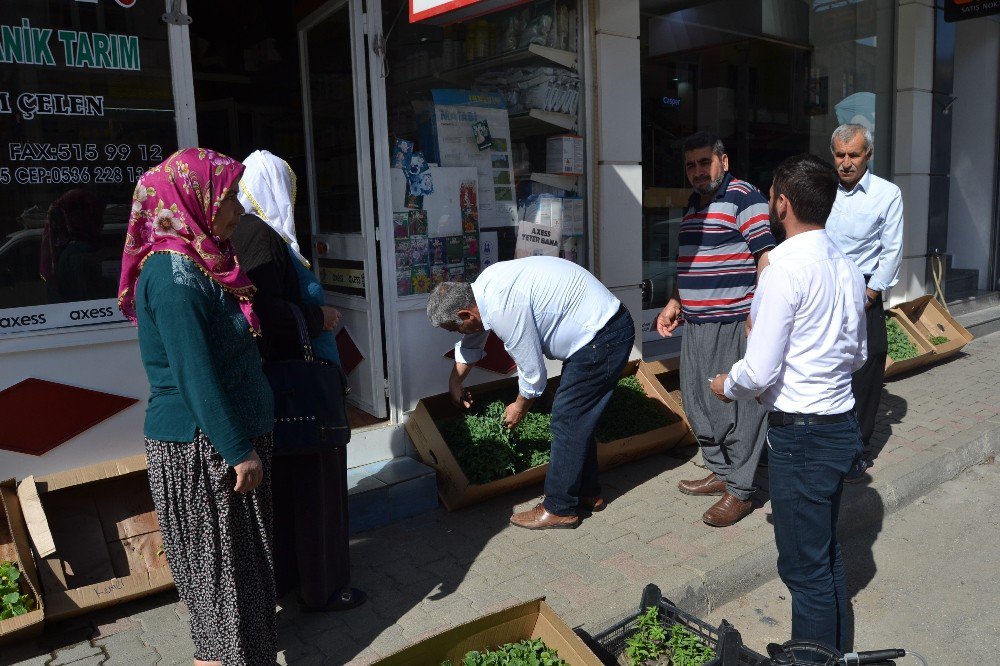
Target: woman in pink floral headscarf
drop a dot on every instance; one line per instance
(210, 414)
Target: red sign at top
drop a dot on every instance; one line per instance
(960, 10)
(450, 11)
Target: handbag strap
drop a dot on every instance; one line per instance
(307, 350)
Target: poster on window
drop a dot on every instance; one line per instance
(86, 106)
(435, 239)
(471, 129)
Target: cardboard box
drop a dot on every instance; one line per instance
(564, 155)
(619, 451)
(892, 367)
(534, 619)
(455, 489)
(14, 547)
(96, 536)
(665, 379)
(928, 318)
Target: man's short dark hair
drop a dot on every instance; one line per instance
(705, 140)
(810, 184)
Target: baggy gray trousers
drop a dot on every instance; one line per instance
(731, 436)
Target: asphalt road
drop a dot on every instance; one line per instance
(928, 579)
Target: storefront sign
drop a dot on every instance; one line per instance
(342, 276)
(61, 315)
(86, 106)
(25, 44)
(449, 11)
(960, 10)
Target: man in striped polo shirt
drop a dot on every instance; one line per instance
(723, 244)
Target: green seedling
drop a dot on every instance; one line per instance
(487, 451)
(631, 412)
(900, 345)
(938, 340)
(12, 602)
(531, 652)
(648, 643)
(686, 649)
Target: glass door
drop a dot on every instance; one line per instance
(335, 103)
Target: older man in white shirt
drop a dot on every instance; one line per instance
(545, 307)
(867, 225)
(808, 338)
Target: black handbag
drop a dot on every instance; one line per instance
(310, 400)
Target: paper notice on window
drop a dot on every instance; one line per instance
(536, 240)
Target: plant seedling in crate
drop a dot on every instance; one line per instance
(12, 602)
(900, 345)
(531, 652)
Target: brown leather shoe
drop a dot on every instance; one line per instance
(592, 504)
(710, 485)
(540, 519)
(727, 511)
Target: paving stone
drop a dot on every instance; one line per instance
(76, 654)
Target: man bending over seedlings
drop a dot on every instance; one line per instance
(545, 307)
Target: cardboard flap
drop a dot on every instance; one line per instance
(34, 517)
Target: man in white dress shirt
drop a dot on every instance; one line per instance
(867, 225)
(808, 338)
(545, 307)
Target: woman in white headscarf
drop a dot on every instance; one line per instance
(268, 191)
(309, 490)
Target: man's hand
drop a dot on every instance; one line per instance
(669, 318)
(459, 394)
(748, 326)
(871, 296)
(513, 414)
(249, 473)
(719, 387)
(516, 410)
(331, 317)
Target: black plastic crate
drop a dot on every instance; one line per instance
(725, 640)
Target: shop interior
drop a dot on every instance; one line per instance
(481, 129)
(770, 86)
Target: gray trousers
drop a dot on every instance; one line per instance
(731, 436)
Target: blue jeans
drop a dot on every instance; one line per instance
(588, 379)
(807, 464)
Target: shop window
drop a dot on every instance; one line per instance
(769, 84)
(248, 93)
(484, 118)
(86, 105)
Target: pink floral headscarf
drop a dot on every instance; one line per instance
(173, 208)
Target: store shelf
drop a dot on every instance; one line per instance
(536, 121)
(568, 183)
(464, 75)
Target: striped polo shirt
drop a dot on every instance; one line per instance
(716, 271)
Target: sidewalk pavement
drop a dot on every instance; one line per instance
(441, 569)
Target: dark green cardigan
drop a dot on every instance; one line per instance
(203, 366)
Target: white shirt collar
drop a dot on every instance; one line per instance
(864, 185)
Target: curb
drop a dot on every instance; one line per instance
(901, 484)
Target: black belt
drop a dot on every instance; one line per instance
(779, 419)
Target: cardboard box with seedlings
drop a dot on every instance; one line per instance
(15, 548)
(531, 620)
(930, 320)
(96, 536)
(924, 350)
(429, 421)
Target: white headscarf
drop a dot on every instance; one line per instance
(267, 190)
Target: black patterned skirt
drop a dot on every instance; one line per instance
(218, 546)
